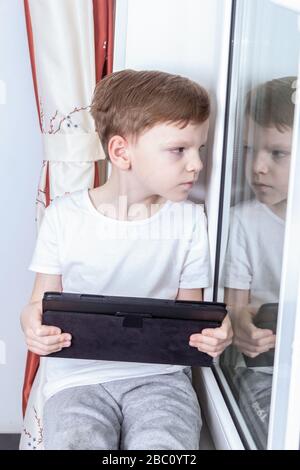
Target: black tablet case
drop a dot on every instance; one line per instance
(131, 329)
(265, 318)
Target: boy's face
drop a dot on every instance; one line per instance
(165, 160)
(267, 152)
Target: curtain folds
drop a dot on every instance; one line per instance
(71, 48)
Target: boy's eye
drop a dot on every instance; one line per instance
(178, 150)
(278, 154)
(247, 148)
(202, 150)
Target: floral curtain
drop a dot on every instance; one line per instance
(71, 48)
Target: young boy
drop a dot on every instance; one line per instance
(254, 256)
(255, 248)
(126, 238)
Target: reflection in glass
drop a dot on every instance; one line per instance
(255, 245)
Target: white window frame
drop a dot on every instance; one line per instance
(284, 426)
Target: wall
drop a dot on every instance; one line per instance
(21, 155)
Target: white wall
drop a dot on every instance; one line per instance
(21, 155)
(173, 35)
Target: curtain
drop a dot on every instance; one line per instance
(71, 48)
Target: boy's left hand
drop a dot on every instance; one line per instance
(213, 341)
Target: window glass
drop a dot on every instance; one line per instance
(265, 65)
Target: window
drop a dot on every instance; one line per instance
(260, 140)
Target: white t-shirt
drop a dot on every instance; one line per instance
(96, 254)
(254, 252)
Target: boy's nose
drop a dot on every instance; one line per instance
(195, 164)
(260, 162)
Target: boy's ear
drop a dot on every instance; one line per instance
(118, 152)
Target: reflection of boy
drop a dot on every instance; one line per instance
(152, 126)
(254, 254)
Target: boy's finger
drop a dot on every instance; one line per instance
(250, 347)
(53, 339)
(211, 352)
(260, 333)
(206, 345)
(31, 343)
(262, 340)
(219, 333)
(208, 348)
(266, 341)
(252, 354)
(40, 352)
(253, 333)
(204, 339)
(214, 354)
(43, 349)
(36, 323)
(45, 330)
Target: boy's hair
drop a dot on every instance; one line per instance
(129, 102)
(272, 103)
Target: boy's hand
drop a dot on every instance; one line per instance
(249, 339)
(213, 341)
(41, 339)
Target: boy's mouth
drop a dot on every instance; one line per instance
(261, 185)
(188, 184)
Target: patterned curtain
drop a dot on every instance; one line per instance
(71, 48)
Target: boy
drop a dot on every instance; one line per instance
(254, 255)
(152, 126)
(255, 248)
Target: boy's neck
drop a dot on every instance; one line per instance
(279, 209)
(119, 199)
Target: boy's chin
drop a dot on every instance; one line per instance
(176, 195)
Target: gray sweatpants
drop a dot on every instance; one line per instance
(148, 413)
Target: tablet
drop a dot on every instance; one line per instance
(131, 329)
(265, 318)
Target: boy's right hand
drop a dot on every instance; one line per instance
(41, 339)
(249, 339)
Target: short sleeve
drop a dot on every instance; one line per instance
(45, 257)
(196, 269)
(237, 269)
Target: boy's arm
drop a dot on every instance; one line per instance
(42, 339)
(190, 294)
(212, 341)
(44, 283)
